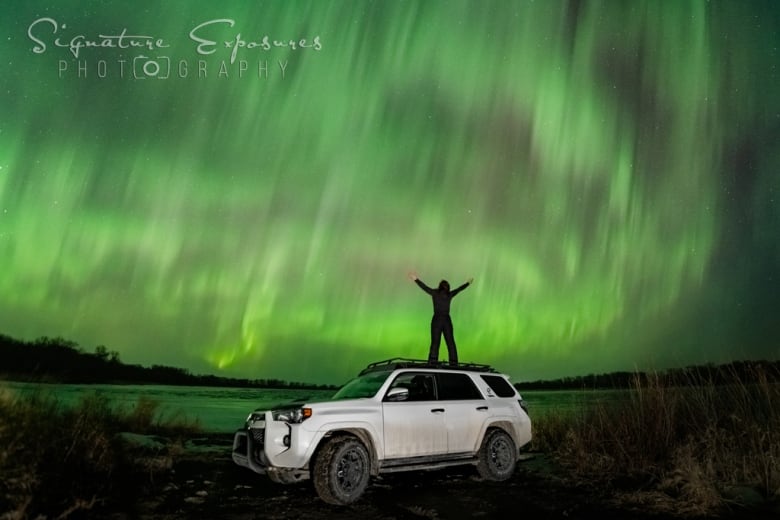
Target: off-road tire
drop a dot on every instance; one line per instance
(341, 470)
(497, 456)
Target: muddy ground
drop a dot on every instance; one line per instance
(205, 483)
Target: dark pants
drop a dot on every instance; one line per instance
(442, 324)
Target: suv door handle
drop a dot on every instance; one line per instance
(482, 408)
(437, 410)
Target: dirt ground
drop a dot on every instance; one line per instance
(205, 483)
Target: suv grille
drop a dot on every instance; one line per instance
(258, 435)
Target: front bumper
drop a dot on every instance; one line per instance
(266, 445)
(248, 452)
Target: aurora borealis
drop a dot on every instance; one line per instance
(606, 171)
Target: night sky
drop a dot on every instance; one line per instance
(606, 171)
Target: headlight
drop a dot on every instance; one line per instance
(292, 415)
(253, 417)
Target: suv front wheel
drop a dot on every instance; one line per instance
(497, 456)
(341, 470)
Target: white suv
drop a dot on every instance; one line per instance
(397, 415)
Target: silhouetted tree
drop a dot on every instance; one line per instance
(62, 360)
(101, 352)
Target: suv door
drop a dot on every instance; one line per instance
(465, 411)
(414, 427)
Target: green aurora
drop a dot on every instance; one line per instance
(606, 171)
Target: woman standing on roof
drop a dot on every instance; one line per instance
(441, 323)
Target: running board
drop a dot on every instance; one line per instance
(427, 465)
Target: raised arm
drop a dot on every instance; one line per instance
(456, 291)
(413, 277)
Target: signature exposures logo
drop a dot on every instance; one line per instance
(144, 56)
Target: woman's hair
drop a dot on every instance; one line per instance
(445, 285)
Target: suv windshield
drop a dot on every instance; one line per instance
(363, 386)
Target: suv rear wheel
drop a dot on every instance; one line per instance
(341, 471)
(497, 456)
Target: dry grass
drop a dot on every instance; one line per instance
(56, 461)
(691, 449)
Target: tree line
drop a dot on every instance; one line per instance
(59, 360)
(745, 372)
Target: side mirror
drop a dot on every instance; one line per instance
(397, 394)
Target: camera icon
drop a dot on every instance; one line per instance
(145, 67)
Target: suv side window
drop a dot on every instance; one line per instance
(499, 385)
(456, 387)
(422, 387)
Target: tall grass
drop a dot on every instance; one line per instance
(691, 448)
(57, 460)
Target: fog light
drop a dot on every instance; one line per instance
(286, 441)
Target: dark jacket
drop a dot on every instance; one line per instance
(441, 298)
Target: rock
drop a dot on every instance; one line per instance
(144, 442)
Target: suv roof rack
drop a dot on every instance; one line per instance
(394, 363)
